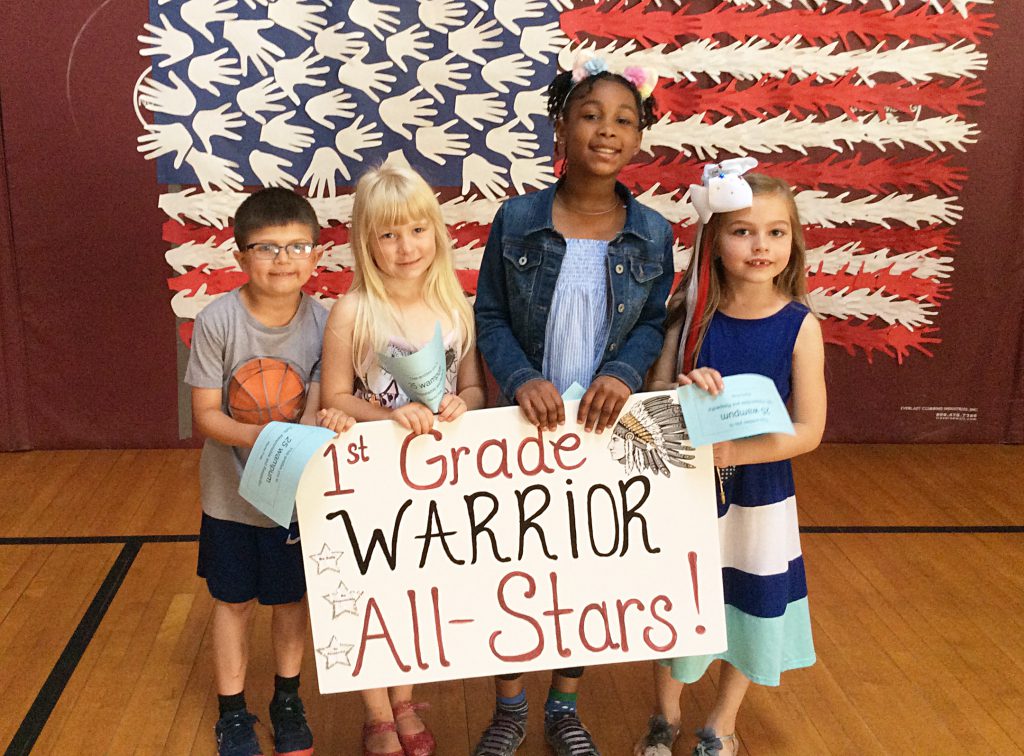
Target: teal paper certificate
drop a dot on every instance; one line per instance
(420, 374)
(574, 393)
(275, 465)
(748, 406)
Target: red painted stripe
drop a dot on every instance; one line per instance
(466, 234)
(217, 280)
(870, 238)
(329, 283)
(876, 237)
(879, 176)
(185, 332)
(891, 340)
(802, 97)
(468, 278)
(337, 234)
(904, 285)
(181, 233)
(650, 26)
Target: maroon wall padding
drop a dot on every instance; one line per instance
(13, 404)
(99, 344)
(89, 359)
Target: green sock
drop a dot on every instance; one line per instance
(559, 704)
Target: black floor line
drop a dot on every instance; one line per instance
(898, 529)
(65, 540)
(32, 725)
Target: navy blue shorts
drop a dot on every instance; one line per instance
(245, 562)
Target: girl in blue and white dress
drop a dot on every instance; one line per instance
(754, 320)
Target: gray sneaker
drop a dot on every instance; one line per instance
(568, 737)
(503, 735)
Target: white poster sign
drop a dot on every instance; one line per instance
(489, 547)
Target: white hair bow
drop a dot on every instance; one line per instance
(722, 188)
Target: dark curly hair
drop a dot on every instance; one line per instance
(562, 92)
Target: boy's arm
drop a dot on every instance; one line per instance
(495, 340)
(312, 404)
(204, 374)
(645, 341)
(212, 422)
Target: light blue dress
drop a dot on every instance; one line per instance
(577, 326)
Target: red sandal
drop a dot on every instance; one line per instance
(379, 728)
(420, 743)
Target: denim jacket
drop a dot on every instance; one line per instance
(517, 281)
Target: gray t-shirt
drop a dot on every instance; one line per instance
(227, 337)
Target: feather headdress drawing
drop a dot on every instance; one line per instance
(651, 436)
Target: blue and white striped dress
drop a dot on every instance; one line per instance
(766, 616)
(577, 328)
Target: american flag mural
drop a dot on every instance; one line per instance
(862, 105)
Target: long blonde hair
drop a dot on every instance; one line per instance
(387, 196)
(792, 281)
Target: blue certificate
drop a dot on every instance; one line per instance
(748, 406)
(275, 465)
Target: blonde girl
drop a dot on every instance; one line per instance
(404, 283)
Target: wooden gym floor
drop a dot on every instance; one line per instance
(915, 558)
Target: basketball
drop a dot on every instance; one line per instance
(265, 389)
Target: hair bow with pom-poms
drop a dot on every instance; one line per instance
(722, 190)
(587, 65)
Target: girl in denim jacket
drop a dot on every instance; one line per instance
(572, 289)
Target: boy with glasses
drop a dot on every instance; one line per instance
(244, 556)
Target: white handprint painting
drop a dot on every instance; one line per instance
(404, 111)
(305, 94)
(213, 69)
(237, 94)
(443, 72)
(201, 15)
(292, 74)
(166, 41)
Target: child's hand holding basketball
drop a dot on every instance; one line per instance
(334, 419)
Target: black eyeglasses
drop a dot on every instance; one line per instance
(268, 251)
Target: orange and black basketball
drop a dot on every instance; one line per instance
(266, 389)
